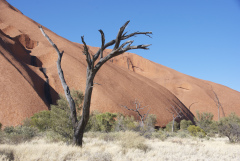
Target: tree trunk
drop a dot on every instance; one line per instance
(79, 130)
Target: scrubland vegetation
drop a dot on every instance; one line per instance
(109, 136)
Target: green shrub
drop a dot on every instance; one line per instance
(161, 134)
(61, 123)
(104, 122)
(196, 131)
(19, 134)
(92, 124)
(77, 96)
(185, 123)
(41, 120)
(169, 126)
(213, 129)
(9, 129)
(57, 119)
(2, 136)
(205, 121)
(230, 127)
(0, 126)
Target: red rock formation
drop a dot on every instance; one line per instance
(24, 51)
(195, 93)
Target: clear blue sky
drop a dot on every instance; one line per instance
(200, 38)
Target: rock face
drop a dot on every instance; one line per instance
(196, 94)
(29, 80)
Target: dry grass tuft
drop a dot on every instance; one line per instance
(6, 154)
(133, 140)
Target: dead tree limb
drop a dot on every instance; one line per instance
(137, 108)
(92, 70)
(71, 103)
(175, 114)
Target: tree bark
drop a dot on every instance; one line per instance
(71, 103)
(86, 109)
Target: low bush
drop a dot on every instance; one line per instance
(19, 134)
(1, 137)
(57, 120)
(196, 131)
(40, 120)
(230, 127)
(0, 126)
(104, 122)
(160, 134)
(204, 121)
(9, 129)
(77, 96)
(61, 123)
(185, 123)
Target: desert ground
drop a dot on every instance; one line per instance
(128, 147)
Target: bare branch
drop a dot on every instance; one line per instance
(103, 42)
(85, 51)
(174, 112)
(137, 110)
(124, 34)
(129, 42)
(64, 84)
(135, 47)
(137, 33)
(119, 36)
(122, 37)
(51, 42)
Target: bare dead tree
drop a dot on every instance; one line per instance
(137, 108)
(175, 114)
(93, 67)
